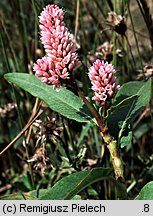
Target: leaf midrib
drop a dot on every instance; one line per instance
(45, 89)
(68, 196)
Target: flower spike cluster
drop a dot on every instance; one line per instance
(61, 56)
(103, 80)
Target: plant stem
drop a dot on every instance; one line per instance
(151, 101)
(114, 38)
(8, 40)
(7, 68)
(114, 49)
(109, 140)
(137, 45)
(22, 131)
(111, 144)
(77, 18)
(115, 155)
(145, 10)
(133, 63)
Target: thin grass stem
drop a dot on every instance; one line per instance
(135, 37)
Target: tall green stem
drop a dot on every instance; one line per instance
(114, 38)
(112, 147)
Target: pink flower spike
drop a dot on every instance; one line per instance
(103, 80)
(53, 29)
(61, 57)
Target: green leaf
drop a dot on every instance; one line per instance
(146, 192)
(124, 115)
(38, 193)
(121, 104)
(42, 192)
(27, 181)
(126, 139)
(71, 185)
(141, 129)
(64, 102)
(18, 197)
(127, 90)
(76, 197)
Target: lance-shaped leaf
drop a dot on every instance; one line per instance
(71, 185)
(146, 192)
(15, 196)
(64, 102)
(120, 119)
